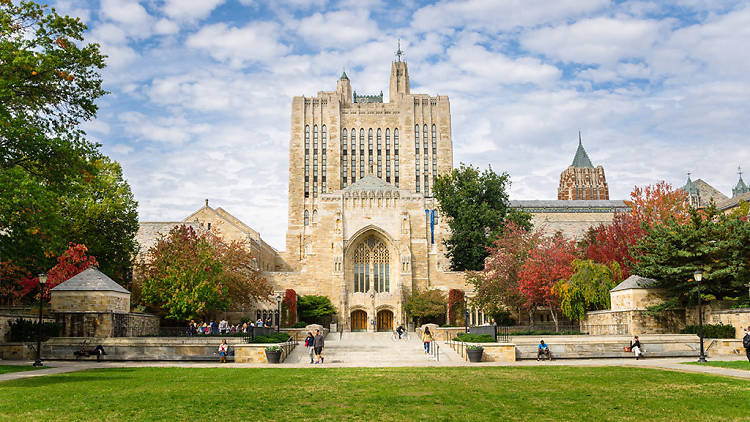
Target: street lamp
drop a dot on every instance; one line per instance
(466, 316)
(278, 319)
(42, 281)
(698, 276)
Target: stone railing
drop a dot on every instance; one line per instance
(493, 352)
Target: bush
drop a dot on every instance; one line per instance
(273, 348)
(711, 330)
(503, 319)
(271, 338)
(300, 324)
(26, 330)
(474, 346)
(546, 333)
(315, 309)
(475, 338)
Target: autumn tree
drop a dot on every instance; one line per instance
(73, 261)
(241, 278)
(550, 262)
(613, 242)
(426, 306)
(477, 208)
(657, 204)
(496, 286)
(588, 288)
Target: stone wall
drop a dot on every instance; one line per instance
(632, 322)
(493, 352)
(5, 318)
(76, 301)
(739, 318)
(107, 324)
(586, 347)
(629, 299)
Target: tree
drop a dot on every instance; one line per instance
(456, 307)
(73, 261)
(12, 281)
(315, 309)
(241, 276)
(612, 243)
(547, 264)
(477, 209)
(289, 308)
(496, 286)
(715, 243)
(426, 305)
(588, 288)
(657, 204)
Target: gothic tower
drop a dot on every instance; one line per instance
(581, 180)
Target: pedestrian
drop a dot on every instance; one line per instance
(259, 323)
(635, 347)
(318, 344)
(427, 339)
(223, 349)
(310, 344)
(746, 343)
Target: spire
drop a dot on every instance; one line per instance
(343, 74)
(399, 52)
(741, 187)
(581, 159)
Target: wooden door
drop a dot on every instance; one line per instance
(359, 321)
(385, 320)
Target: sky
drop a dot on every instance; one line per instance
(200, 90)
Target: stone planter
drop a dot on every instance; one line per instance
(273, 356)
(475, 355)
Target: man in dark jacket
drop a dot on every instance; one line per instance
(746, 343)
(318, 344)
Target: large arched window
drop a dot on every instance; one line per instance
(372, 266)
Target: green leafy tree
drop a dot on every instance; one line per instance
(477, 208)
(715, 243)
(588, 288)
(426, 306)
(315, 309)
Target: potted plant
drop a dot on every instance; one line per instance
(273, 354)
(474, 351)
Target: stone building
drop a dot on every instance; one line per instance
(362, 226)
(700, 194)
(571, 218)
(581, 180)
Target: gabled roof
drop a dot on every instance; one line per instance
(370, 183)
(90, 279)
(581, 160)
(635, 282)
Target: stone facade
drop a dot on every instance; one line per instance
(581, 180)
(74, 301)
(570, 217)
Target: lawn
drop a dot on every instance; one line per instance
(486, 393)
(732, 364)
(4, 369)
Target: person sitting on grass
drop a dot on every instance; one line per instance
(97, 351)
(543, 350)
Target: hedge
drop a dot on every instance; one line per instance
(26, 330)
(711, 330)
(475, 338)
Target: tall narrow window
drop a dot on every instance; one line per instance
(344, 158)
(361, 153)
(416, 155)
(353, 156)
(369, 150)
(315, 161)
(379, 146)
(307, 161)
(307, 218)
(434, 153)
(388, 155)
(425, 155)
(315, 216)
(395, 157)
(323, 167)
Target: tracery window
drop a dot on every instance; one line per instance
(372, 266)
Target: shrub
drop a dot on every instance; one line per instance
(546, 333)
(474, 346)
(300, 324)
(711, 330)
(273, 348)
(475, 338)
(271, 338)
(26, 330)
(315, 309)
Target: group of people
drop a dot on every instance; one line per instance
(543, 351)
(315, 344)
(224, 327)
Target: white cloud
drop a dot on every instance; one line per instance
(133, 17)
(166, 27)
(351, 27)
(190, 10)
(255, 42)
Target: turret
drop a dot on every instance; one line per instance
(399, 77)
(344, 89)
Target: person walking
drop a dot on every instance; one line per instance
(426, 340)
(746, 343)
(310, 344)
(223, 350)
(635, 347)
(318, 344)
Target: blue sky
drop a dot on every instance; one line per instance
(201, 89)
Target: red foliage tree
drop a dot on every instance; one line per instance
(289, 305)
(73, 261)
(456, 307)
(655, 204)
(12, 281)
(547, 264)
(612, 242)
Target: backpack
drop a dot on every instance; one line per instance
(746, 341)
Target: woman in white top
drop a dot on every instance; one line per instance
(223, 349)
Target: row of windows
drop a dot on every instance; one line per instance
(423, 147)
(350, 138)
(314, 217)
(323, 145)
(594, 192)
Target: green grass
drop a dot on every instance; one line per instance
(732, 364)
(458, 393)
(4, 369)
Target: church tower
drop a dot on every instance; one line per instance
(399, 77)
(581, 180)
(741, 187)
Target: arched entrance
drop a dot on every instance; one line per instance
(359, 320)
(385, 320)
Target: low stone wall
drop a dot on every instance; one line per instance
(107, 324)
(256, 353)
(441, 333)
(632, 322)
(144, 349)
(723, 347)
(739, 318)
(299, 334)
(493, 352)
(591, 347)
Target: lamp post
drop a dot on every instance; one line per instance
(42, 281)
(466, 314)
(278, 305)
(698, 276)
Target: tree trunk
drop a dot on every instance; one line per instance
(531, 319)
(554, 318)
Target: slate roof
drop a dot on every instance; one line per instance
(734, 201)
(370, 183)
(90, 279)
(581, 160)
(635, 282)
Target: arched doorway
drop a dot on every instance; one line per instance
(385, 320)
(359, 320)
